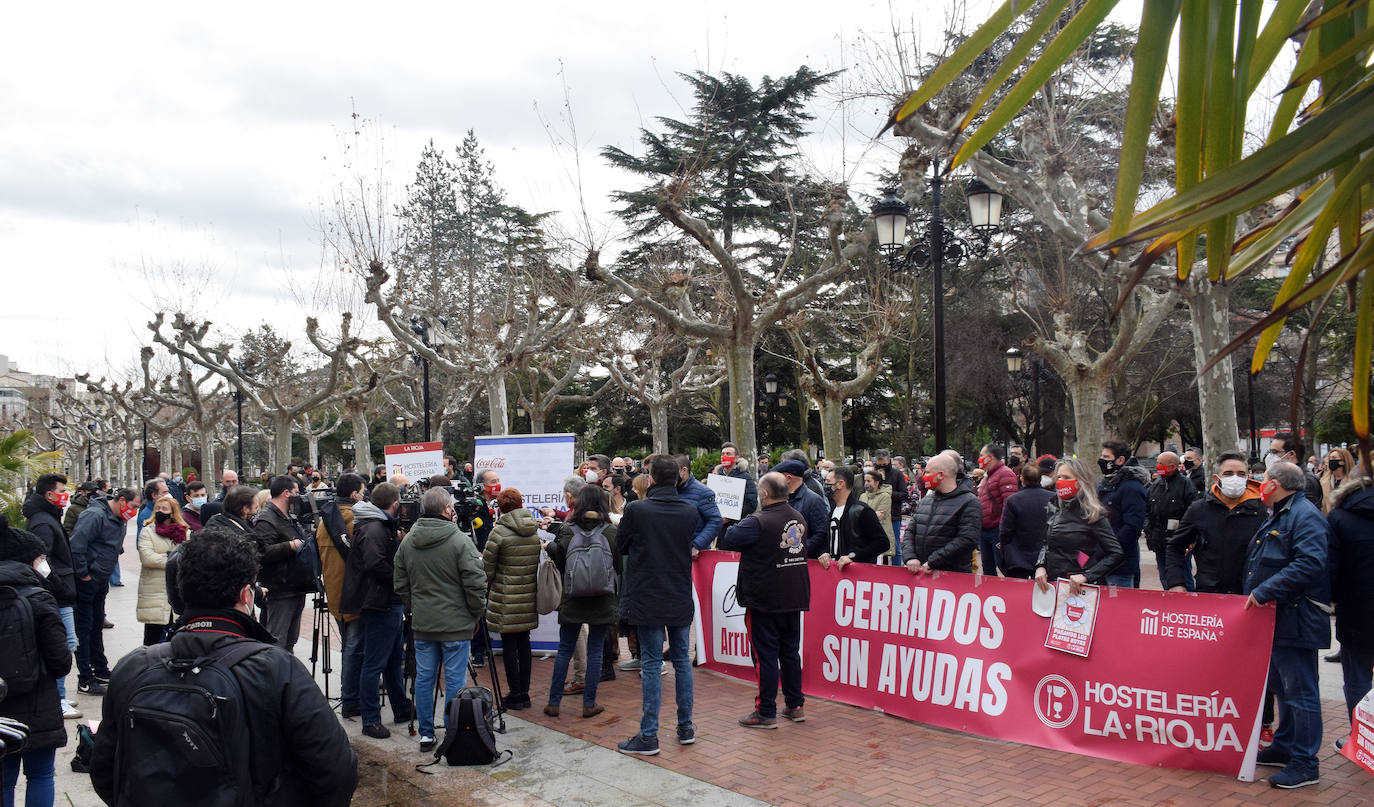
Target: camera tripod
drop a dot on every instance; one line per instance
(321, 630)
(409, 673)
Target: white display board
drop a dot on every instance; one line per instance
(729, 492)
(536, 465)
(415, 461)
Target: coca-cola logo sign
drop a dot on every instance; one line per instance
(491, 462)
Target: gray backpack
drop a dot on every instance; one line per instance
(590, 568)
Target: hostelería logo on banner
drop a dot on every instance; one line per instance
(1181, 625)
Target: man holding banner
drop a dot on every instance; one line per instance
(775, 587)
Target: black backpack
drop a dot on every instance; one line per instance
(20, 664)
(470, 730)
(182, 735)
(332, 519)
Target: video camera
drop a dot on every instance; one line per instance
(305, 509)
(466, 504)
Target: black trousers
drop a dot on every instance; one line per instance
(515, 655)
(776, 642)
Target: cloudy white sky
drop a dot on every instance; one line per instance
(141, 144)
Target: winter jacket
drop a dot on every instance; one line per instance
(274, 532)
(1312, 488)
(1123, 494)
(945, 529)
(1025, 518)
(773, 577)
(1352, 562)
(75, 508)
(39, 708)
(45, 521)
(511, 560)
(438, 575)
(1166, 500)
(858, 534)
(709, 522)
(896, 480)
(1286, 565)
(192, 518)
(298, 752)
(97, 541)
(999, 484)
(751, 490)
(598, 610)
(1069, 535)
(332, 566)
(177, 490)
(816, 511)
(655, 536)
(369, 573)
(153, 607)
(1198, 476)
(1216, 537)
(236, 525)
(881, 502)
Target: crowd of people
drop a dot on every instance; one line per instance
(221, 577)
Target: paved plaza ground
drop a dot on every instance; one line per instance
(841, 756)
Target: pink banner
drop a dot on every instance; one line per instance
(1174, 680)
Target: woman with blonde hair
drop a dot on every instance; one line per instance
(1340, 465)
(260, 500)
(162, 532)
(1078, 527)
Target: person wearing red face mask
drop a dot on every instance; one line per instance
(943, 532)
(735, 467)
(43, 509)
(1078, 528)
(1166, 500)
(999, 483)
(96, 542)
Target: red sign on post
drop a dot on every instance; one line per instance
(1174, 679)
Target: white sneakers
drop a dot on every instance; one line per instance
(70, 712)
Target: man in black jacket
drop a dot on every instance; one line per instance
(1196, 469)
(655, 535)
(944, 531)
(278, 540)
(1166, 500)
(1285, 447)
(96, 543)
(43, 509)
(369, 591)
(1215, 532)
(895, 479)
(1025, 519)
(855, 532)
(774, 586)
(298, 753)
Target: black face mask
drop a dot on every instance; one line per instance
(162, 518)
(1013, 461)
(1189, 465)
(1335, 465)
(1108, 467)
(829, 490)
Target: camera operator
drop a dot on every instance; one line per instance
(368, 591)
(278, 540)
(347, 493)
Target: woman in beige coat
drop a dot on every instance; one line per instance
(511, 559)
(878, 496)
(160, 534)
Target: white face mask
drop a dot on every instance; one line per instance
(591, 477)
(1232, 487)
(1047, 482)
(43, 568)
(1270, 460)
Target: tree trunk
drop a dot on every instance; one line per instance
(281, 443)
(362, 447)
(832, 428)
(658, 423)
(1208, 306)
(312, 451)
(536, 422)
(803, 414)
(207, 470)
(164, 453)
(739, 355)
(1089, 396)
(496, 404)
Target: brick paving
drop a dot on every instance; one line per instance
(844, 756)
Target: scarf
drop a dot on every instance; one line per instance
(170, 529)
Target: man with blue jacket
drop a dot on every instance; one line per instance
(1123, 493)
(97, 541)
(813, 508)
(709, 522)
(1286, 567)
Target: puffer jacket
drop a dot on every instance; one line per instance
(153, 606)
(709, 521)
(1123, 494)
(1166, 499)
(945, 529)
(45, 521)
(438, 575)
(39, 708)
(1287, 565)
(1352, 562)
(998, 485)
(1216, 537)
(1069, 534)
(599, 610)
(511, 560)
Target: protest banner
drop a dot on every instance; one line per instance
(729, 495)
(1359, 746)
(536, 465)
(415, 461)
(1174, 680)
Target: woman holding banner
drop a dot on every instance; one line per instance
(1078, 529)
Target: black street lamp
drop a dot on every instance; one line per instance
(891, 215)
(1016, 367)
(237, 395)
(404, 423)
(92, 426)
(1254, 435)
(422, 328)
(770, 390)
(347, 446)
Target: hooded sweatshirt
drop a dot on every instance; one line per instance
(1215, 532)
(439, 576)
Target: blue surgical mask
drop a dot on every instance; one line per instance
(199, 502)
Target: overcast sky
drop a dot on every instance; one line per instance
(135, 150)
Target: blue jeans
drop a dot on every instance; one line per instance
(1293, 680)
(1356, 663)
(896, 559)
(38, 769)
(114, 575)
(352, 633)
(1188, 581)
(382, 656)
(989, 552)
(1126, 580)
(651, 685)
(68, 614)
(428, 655)
(567, 640)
